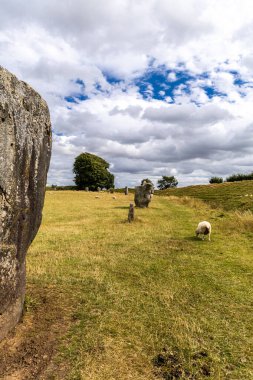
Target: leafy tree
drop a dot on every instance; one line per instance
(215, 180)
(92, 171)
(167, 182)
(240, 177)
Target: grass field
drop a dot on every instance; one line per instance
(228, 195)
(142, 301)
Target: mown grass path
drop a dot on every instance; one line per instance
(146, 300)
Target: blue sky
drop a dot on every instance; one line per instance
(163, 84)
(154, 87)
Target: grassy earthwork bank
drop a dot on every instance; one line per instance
(146, 300)
(227, 195)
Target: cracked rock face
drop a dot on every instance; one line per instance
(25, 149)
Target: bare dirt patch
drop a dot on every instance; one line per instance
(30, 351)
(171, 365)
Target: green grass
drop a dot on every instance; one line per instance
(148, 300)
(228, 195)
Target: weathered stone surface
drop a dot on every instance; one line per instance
(25, 149)
(126, 190)
(143, 195)
(131, 213)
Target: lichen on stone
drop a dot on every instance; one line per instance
(25, 149)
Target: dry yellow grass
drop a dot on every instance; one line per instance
(148, 299)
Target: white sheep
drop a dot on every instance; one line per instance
(204, 228)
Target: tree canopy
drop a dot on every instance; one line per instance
(240, 177)
(167, 182)
(92, 171)
(216, 180)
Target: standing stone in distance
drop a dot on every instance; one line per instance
(143, 195)
(25, 149)
(126, 190)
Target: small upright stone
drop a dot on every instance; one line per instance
(131, 213)
(25, 149)
(126, 190)
(86, 189)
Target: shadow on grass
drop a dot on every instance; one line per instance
(191, 238)
(135, 221)
(196, 240)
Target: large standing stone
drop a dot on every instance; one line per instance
(25, 148)
(143, 195)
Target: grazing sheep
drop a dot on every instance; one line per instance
(204, 228)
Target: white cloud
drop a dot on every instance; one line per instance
(172, 76)
(189, 133)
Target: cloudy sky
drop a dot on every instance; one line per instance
(155, 87)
